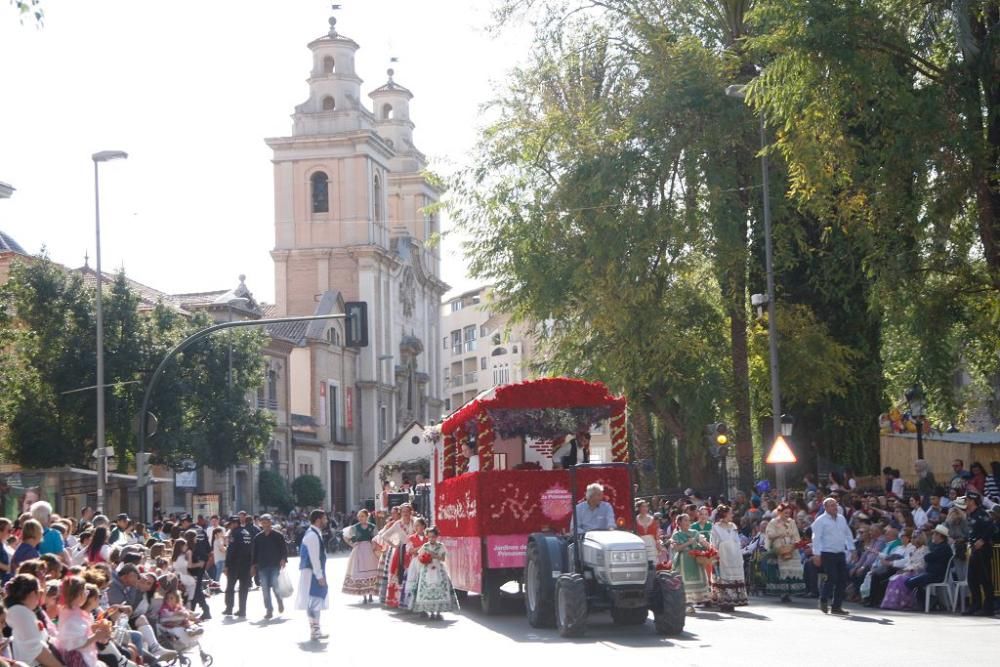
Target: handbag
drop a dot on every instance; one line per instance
(866, 586)
(284, 587)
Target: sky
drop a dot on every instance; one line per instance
(190, 90)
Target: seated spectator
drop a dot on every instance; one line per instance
(31, 537)
(29, 640)
(935, 561)
(897, 595)
(78, 632)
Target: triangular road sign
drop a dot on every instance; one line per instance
(780, 452)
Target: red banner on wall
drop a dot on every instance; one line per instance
(510, 502)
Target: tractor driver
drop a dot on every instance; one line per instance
(594, 513)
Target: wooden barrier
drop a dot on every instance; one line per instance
(900, 451)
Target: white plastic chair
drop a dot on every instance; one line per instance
(944, 586)
(960, 587)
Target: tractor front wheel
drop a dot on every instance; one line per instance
(571, 605)
(669, 607)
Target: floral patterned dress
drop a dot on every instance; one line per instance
(728, 585)
(787, 577)
(434, 593)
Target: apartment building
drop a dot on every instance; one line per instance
(479, 348)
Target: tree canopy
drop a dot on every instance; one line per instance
(47, 322)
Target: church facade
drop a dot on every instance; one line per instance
(355, 221)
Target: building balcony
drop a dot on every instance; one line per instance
(456, 349)
(457, 381)
(470, 346)
(471, 378)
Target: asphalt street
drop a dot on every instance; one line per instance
(765, 632)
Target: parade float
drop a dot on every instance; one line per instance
(508, 525)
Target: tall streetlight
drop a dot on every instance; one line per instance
(915, 399)
(230, 302)
(102, 453)
(772, 319)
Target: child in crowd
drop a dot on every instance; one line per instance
(178, 621)
(78, 633)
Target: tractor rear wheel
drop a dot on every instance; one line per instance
(571, 605)
(539, 593)
(669, 608)
(629, 616)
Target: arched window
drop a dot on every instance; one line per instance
(387, 113)
(328, 65)
(377, 195)
(320, 192)
(329, 104)
(499, 352)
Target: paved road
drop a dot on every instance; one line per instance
(370, 636)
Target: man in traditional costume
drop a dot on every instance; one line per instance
(313, 589)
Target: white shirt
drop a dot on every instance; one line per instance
(27, 639)
(898, 487)
(919, 517)
(831, 535)
(474, 463)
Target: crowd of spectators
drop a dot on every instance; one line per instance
(902, 537)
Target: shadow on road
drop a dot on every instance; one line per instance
(749, 615)
(512, 624)
(313, 646)
(869, 619)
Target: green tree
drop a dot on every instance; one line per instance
(47, 314)
(274, 491)
(308, 491)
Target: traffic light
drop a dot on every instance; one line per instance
(143, 469)
(356, 324)
(717, 435)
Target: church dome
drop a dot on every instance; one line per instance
(8, 244)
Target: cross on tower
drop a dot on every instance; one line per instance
(333, 19)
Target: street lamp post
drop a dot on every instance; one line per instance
(102, 458)
(230, 475)
(772, 319)
(915, 399)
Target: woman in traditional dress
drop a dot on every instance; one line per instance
(898, 595)
(384, 554)
(648, 528)
(362, 566)
(397, 535)
(704, 524)
(434, 593)
(782, 536)
(411, 576)
(692, 573)
(729, 588)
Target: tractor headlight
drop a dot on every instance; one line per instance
(619, 556)
(635, 556)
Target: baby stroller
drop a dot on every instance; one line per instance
(176, 639)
